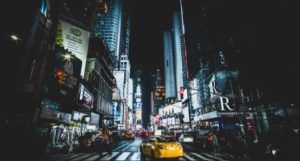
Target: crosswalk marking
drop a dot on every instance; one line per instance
(116, 149)
(81, 157)
(120, 147)
(94, 157)
(190, 158)
(108, 157)
(136, 156)
(123, 156)
(201, 157)
(215, 157)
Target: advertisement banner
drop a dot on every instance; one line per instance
(74, 39)
(56, 115)
(94, 118)
(77, 116)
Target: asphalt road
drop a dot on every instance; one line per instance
(128, 150)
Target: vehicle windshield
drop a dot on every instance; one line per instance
(187, 135)
(166, 139)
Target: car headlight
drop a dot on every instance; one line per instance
(161, 147)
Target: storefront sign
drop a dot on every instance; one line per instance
(224, 103)
(209, 115)
(50, 105)
(55, 115)
(77, 116)
(121, 127)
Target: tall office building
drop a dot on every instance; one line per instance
(125, 36)
(179, 54)
(108, 25)
(159, 92)
(169, 67)
(198, 40)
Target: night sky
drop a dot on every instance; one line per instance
(150, 19)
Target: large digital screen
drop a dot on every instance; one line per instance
(85, 97)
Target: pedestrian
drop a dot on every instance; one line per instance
(99, 144)
(105, 142)
(215, 143)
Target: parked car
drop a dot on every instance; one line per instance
(186, 138)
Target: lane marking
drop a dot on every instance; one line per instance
(136, 156)
(127, 143)
(201, 157)
(123, 156)
(188, 157)
(94, 157)
(108, 157)
(215, 157)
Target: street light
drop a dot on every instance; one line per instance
(14, 37)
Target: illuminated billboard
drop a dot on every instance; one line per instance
(85, 97)
(74, 39)
(138, 112)
(120, 76)
(194, 94)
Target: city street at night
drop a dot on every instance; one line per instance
(137, 80)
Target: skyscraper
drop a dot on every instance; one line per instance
(169, 67)
(125, 36)
(179, 54)
(108, 25)
(159, 92)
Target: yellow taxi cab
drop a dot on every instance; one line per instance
(161, 147)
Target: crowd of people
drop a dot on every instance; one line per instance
(233, 142)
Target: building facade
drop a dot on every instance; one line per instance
(170, 84)
(179, 54)
(109, 25)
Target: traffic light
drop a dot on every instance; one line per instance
(61, 76)
(181, 92)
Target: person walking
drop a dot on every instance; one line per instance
(104, 142)
(215, 142)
